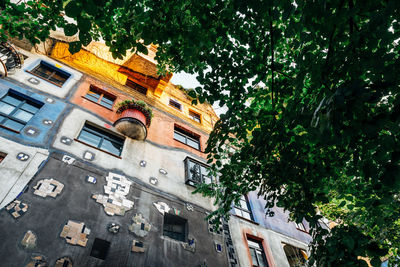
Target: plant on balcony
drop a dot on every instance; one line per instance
(138, 105)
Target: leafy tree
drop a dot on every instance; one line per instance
(312, 92)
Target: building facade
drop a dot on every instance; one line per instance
(87, 182)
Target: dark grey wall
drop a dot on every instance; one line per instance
(46, 217)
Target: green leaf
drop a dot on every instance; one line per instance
(85, 38)
(74, 47)
(142, 49)
(84, 24)
(72, 9)
(70, 29)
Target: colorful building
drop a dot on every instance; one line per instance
(86, 181)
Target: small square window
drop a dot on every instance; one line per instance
(175, 227)
(195, 116)
(50, 73)
(100, 97)
(101, 139)
(135, 86)
(186, 137)
(2, 156)
(175, 104)
(196, 172)
(16, 110)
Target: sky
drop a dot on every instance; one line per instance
(189, 81)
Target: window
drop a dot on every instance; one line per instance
(175, 104)
(2, 156)
(186, 137)
(102, 98)
(196, 172)
(50, 73)
(301, 227)
(243, 209)
(175, 227)
(101, 139)
(195, 116)
(16, 110)
(257, 253)
(295, 256)
(137, 87)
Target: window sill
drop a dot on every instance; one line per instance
(302, 231)
(79, 141)
(12, 130)
(188, 145)
(44, 79)
(250, 221)
(97, 103)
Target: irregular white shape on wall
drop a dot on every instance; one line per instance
(162, 207)
(67, 159)
(115, 202)
(48, 187)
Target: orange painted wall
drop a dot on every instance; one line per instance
(161, 130)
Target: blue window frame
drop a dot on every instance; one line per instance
(16, 110)
(101, 139)
(243, 209)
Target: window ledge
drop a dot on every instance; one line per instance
(97, 103)
(79, 141)
(188, 145)
(302, 231)
(250, 221)
(12, 130)
(44, 79)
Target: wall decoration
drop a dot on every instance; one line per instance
(163, 172)
(87, 155)
(137, 246)
(162, 207)
(66, 140)
(140, 226)
(17, 208)
(143, 163)
(47, 122)
(75, 233)
(22, 156)
(67, 159)
(48, 187)
(29, 240)
(114, 200)
(153, 180)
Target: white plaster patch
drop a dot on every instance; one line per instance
(116, 189)
(67, 159)
(162, 207)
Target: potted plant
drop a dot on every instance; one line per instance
(135, 109)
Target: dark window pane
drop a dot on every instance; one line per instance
(89, 138)
(175, 104)
(253, 257)
(30, 108)
(107, 101)
(94, 96)
(11, 100)
(136, 87)
(13, 125)
(111, 147)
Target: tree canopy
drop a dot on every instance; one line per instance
(312, 92)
